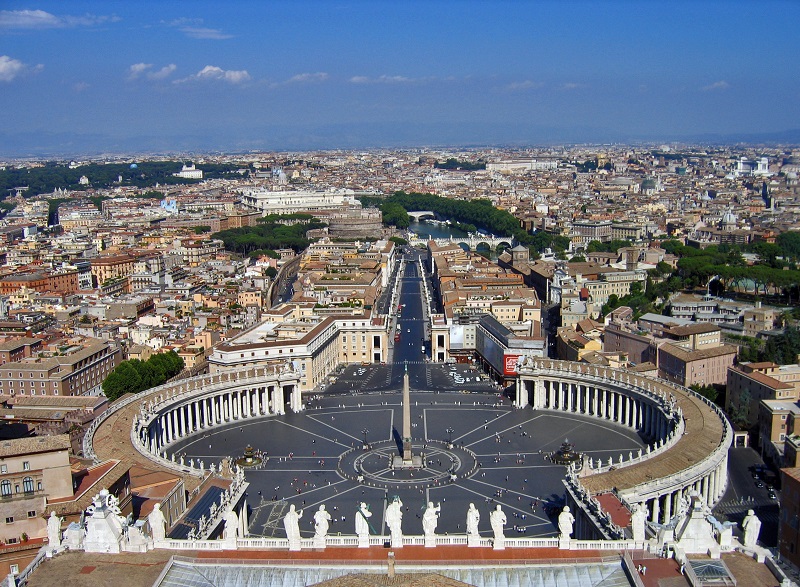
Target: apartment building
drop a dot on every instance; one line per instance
(80, 371)
(750, 383)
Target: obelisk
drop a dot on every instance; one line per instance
(407, 458)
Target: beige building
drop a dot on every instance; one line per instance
(708, 366)
(750, 383)
(32, 471)
(80, 372)
(313, 345)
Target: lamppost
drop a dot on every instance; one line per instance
(450, 437)
(365, 431)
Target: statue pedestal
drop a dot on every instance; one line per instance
(294, 545)
(499, 543)
(103, 532)
(563, 543)
(430, 541)
(363, 541)
(397, 541)
(473, 541)
(320, 542)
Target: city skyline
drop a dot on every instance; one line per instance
(108, 77)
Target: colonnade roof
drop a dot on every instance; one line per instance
(704, 430)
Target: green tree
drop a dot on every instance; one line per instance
(707, 391)
(123, 379)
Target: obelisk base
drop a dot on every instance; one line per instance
(415, 462)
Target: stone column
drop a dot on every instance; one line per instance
(668, 506)
(656, 511)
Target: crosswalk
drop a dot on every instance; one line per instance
(733, 509)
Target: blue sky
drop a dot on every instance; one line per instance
(113, 76)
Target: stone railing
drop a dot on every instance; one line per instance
(662, 446)
(352, 541)
(688, 475)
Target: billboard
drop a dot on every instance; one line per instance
(510, 364)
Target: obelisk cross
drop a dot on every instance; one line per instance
(406, 418)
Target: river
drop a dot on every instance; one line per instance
(426, 230)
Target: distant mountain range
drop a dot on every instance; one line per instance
(356, 136)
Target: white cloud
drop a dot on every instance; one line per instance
(162, 73)
(80, 87)
(39, 19)
(571, 86)
(303, 78)
(204, 33)
(214, 73)
(386, 79)
(720, 85)
(10, 68)
(138, 69)
(308, 77)
(524, 85)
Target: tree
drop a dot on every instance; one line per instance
(123, 379)
(707, 391)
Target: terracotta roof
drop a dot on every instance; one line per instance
(698, 355)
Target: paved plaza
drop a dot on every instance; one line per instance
(509, 448)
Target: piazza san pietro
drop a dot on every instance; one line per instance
(399, 294)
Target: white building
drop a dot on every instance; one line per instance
(286, 202)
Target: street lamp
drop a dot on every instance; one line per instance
(449, 437)
(365, 431)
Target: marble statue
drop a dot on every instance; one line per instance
(231, 530)
(322, 521)
(158, 523)
(638, 516)
(54, 531)
(291, 523)
(394, 520)
(751, 526)
(565, 522)
(430, 518)
(473, 517)
(498, 519)
(362, 524)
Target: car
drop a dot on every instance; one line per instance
(772, 495)
(759, 484)
(756, 476)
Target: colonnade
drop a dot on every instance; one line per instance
(205, 407)
(643, 413)
(710, 487)
(648, 406)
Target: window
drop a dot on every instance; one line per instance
(27, 485)
(5, 488)
(32, 514)
(10, 520)
(14, 569)
(3, 468)
(26, 465)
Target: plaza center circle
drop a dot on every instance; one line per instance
(499, 455)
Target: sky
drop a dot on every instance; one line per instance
(108, 76)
